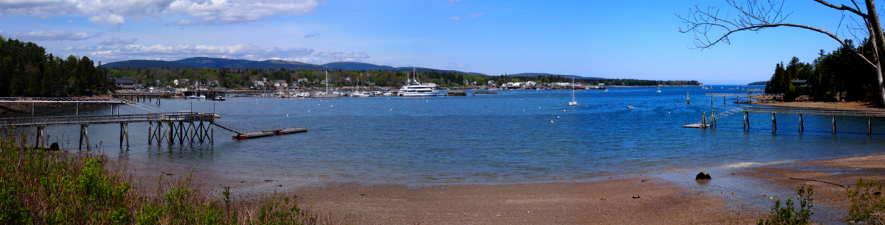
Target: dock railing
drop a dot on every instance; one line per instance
(103, 119)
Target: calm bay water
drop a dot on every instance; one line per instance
(512, 137)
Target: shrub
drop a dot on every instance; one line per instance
(867, 203)
(787, 214)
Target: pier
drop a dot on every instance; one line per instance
(869, 114)
(185, 127)
(773, 111)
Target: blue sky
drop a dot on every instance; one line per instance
(612, 39)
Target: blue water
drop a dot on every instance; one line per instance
(512, 137)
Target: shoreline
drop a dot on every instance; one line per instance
(740, 194)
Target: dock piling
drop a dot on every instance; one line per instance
(39, 137)
(801, 124)
(704, 120)
(834, 124)
(84, 132)
(124, 131)
(773, 122)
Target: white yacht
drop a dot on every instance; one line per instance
(414, 88)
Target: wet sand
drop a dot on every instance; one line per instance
(734, 195)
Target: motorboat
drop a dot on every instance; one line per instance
(414, 88)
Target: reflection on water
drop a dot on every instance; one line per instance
(515, 136)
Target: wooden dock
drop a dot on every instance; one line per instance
(270, 132)
(773, 111)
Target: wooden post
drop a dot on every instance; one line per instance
(33, 104)
(687, 99)
(171, 133)
(801, 124)
(704, 120)
(773, 122)
(745, 121)
(124, 131)
(150, 132)
(713, 118)
(84, 132)
(723, 100)
(78, 109)
(834, 124)
(39, 136)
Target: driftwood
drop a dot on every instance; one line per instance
(793, 178)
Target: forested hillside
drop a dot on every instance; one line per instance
(26, 70)
(838, 75)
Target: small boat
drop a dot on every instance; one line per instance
(196, 97)
(630, 107)
(217, 116)
(218, 98)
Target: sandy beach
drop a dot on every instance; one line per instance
(740, 195)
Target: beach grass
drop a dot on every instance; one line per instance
(56, 187)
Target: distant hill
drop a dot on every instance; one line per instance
(356, 66)
(248, 64)
(147, 64)
(758, 83)
(200, 62)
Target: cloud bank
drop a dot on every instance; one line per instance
(121, 51)
(54, 35)
(117, 41)
(200, 12)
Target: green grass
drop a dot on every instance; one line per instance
(46, 187)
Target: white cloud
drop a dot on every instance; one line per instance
(115, 12)
(240, 51)
(452, 2)
(476, 14)
(455, 18)
(54, 35)
(117, 41)
(110, 20)
(340, 56)
(311, 35)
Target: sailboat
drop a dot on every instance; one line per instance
(573, 102)
(326, 94)
(659, 88)
(357, 92)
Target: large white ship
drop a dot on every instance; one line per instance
(414, 88)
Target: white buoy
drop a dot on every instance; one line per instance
(551, 121)
(287, 115)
